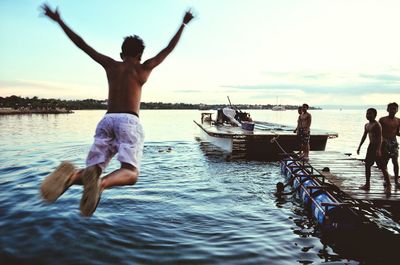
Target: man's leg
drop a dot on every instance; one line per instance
(388, 187)
(307, 150)
(396, 171)
(126, 175)
(76, 178)
(382, 163)
(367, 177)
(369, 161)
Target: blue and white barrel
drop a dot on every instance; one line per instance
(316, 208)
(304, 192)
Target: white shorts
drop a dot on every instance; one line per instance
(119, 133)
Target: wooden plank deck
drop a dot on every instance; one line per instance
(348, 174)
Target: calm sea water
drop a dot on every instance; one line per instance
(190, 206)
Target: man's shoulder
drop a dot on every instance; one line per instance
(372, 124)
(383, 118)
(377, 124)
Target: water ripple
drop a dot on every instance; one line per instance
(191, 204)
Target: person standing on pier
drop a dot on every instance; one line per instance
(390, 147)
(299, 111)
(374, 131)
(120, 131)
(303, 130)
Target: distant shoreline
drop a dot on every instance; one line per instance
(19, 105)
(8, 111)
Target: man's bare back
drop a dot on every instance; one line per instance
(125, 81)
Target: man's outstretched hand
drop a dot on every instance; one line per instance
(188, 17)
(54, 15)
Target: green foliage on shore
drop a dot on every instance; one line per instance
(34, 103)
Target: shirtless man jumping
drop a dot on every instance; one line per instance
(120, 131)
(390, 147)
(374, 131)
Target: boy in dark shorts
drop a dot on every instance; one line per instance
(390, 147)
(303, 131)
(297, 131)
(374, 131)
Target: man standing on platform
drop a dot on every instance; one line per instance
(303, 128)
(374, 131)
(390, 147)
(300, 111)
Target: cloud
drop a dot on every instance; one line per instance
(31, 84)
(382, 77)
(46, 89)
(324, 83)
(188, 91)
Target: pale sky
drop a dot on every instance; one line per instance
(342, 52)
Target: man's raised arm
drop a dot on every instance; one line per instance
(156, 60)
(76, 39)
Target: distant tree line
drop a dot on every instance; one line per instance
(36, 103)
(16, 102)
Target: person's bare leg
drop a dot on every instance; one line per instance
(306, 150)
(367, 178)
(388, 187)
(126, 175)
(396, 171)
(76, 178)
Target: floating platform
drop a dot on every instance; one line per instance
(257, 143)
(348, 174)
(319, 200)
(332, 196)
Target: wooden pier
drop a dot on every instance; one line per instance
(348, 174)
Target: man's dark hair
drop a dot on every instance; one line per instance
(373, 111)
(393, 104)
(305, 105)
(132, 46)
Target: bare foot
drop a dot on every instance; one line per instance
(365, 187)
(54, 185)
(91, 191)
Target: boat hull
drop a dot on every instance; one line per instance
(257, 144)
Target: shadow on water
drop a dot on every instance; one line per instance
(373, 238)
(373, 242)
